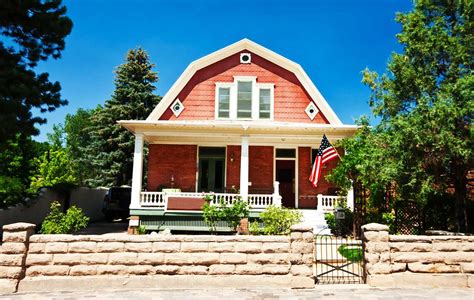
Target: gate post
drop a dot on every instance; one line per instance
(376, 250)
(302, 256)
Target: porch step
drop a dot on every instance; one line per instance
(315, 219)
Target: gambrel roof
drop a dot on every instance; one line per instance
(245, 44)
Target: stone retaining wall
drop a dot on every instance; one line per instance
(66, 261)
(402, 260)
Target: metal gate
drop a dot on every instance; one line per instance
(339, 260)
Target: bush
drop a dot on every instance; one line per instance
(58, 222)
(231, 214)
(278, 220)
(351, 253)
(340, 227)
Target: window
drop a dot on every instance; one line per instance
(285, 153)
(264, 101)
(224, 102)
(244, 100)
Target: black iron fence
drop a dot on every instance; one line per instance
(339, 260)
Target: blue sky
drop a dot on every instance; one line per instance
(333, 40)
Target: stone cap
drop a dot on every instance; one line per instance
(374, 227)
(301, 228)
(20, 226)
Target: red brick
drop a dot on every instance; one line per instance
(233, 167)
(261, 169)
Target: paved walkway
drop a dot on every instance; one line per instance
(353, 292)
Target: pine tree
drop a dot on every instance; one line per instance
(110, 151)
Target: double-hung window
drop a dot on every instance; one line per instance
(244, 99)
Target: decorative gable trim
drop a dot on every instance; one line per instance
(245, 44)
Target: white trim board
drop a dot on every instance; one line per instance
(245, 44)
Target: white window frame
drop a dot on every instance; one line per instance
(255, 98)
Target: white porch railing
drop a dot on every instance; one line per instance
(328, 203)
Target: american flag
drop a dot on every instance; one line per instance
(326, 153)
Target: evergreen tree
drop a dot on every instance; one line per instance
(425, 103)
(110, 151)
(31, 31)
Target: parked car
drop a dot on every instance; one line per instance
(116, 203)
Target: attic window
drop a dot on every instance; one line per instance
(177, 107)
(245, 58)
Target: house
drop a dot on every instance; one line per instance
(243, 120)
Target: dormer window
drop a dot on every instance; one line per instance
(244, 99)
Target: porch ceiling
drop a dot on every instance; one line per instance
(231, 131)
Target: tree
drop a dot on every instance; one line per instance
(32, 31)
(424, 140)
(110, 150)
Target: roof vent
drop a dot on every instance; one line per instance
(245, 58)
(311, 110)
(177, 107)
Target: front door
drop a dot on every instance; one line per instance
(285, 174)
(211, 169)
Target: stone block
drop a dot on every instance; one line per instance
(398, 267)
(380, 281)
(56, 247)
(296, 236)
(204, 258)
(11, 259)
(374, 227)
(295, 258)
(83, 270)
(222, 247)
(260, 258)
(194, 247)
(47, 271)
(430, 280)
(467, 267)
(39, 259)
(13, 248)
(457, 257)
(123, 258)
(15, 237)
(19, 226)
(446, 247)
(36, 248)
(178, 259)
(249, 269)
(470, 281)
(276, 247)
(150, 258)
(372, 258)
(276, 269)
(10, 272)
(82, 247)
(141, 270)
(377, 247)
(8, 286)
(301, 270)
(281, 258)
(378, 268)
(112, 270)
(302, 247)
(67, 259)
(110, 247)
(221, 269)
(166, 247)
(307, 259)
(94, 258)
(376, 236)
(301, 228)
(308, 237)
(233, 258)
(193, 270)
(467, 246)
(410, 247)
(139, 247)
(253, 247)
(433, 268)
(384, 257)
(302, 282)
(410, 238)
(167, 269)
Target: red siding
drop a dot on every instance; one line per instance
(198, 95)
(178, 161)
(233, 168)
(305, 187)
(261, 169)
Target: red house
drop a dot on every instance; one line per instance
(242, 120)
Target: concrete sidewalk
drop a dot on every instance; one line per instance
(355, 292)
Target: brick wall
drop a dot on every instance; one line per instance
(261, 169)
(198, 95)
(402, 260)
(191, 260)
(233, 167)
(178, 161)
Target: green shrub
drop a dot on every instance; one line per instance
(340, 227)
(141, 230)
(231, 214)
(255, 228)
(351, 253)
(58, 222)
(278, 220)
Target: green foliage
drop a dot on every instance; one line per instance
(423, 145)
(53, 170)
(231, 214)
(255, 228)
(351, 253)
(31, 31)
(340, 227)
(109, 150)
(388, 218)
(278, 220)
(141, 230)
(58, 222)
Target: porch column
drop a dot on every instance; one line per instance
(137, 171)
(244, 167)
(350, 198)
